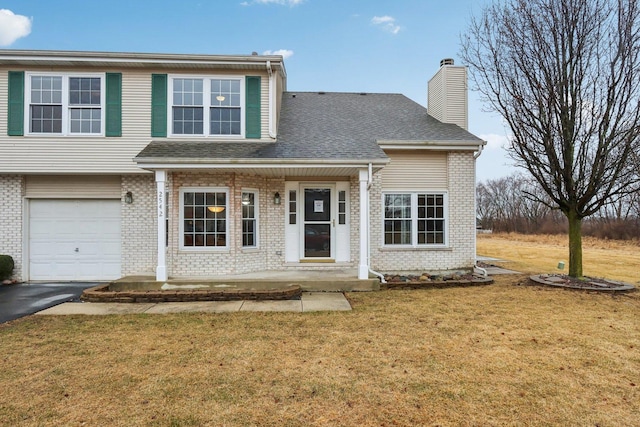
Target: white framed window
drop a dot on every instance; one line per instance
(204, 218)
(415, 219)
(206, 106)
(64, 103)
(250, 218)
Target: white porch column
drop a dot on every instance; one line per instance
(363, 268)
(161, 269)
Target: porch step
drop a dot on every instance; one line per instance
(211, 289)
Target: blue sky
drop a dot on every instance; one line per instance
(329, 45)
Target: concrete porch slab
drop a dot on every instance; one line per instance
(331, 280)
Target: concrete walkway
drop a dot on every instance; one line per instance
(310, 301)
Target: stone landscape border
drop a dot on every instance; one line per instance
(415, 283)
(103, 293)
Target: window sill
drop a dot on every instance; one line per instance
(64, 135)
(250, 250)
(414, 248)
(212, 137)
(221, 250)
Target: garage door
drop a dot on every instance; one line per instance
(74, 240)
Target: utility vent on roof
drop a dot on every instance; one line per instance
(321, 93)
(363, 93)
(293, 95)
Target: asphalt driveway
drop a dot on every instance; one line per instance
(28, 298)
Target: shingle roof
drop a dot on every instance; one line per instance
(318, 125)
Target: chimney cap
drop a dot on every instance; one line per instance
(446, 61)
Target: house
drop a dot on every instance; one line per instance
(117, 164)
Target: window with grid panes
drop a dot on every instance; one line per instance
(415, 219)
(249, 219)
(65, 104)
(204, 214)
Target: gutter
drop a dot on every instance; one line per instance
(477, 269)
(480, 148)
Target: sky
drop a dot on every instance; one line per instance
(329, 45)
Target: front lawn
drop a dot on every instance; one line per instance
(502, 354)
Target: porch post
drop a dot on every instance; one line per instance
(363, 268)
(161, 269)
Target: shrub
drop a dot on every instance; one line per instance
(6, 267)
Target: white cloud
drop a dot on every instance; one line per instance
(496, 141)
(286, 53)
(12, 27)
(387, 23)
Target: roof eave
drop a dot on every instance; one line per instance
(441, 145)
(53, 57)
(199, 163)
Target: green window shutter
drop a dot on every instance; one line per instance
(159, 105)
(113, 94)
(15, 119)
(252, 105)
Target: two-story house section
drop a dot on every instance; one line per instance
(173, 165)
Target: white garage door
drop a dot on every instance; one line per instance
(74, 239)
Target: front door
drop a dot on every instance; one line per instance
(317, 223)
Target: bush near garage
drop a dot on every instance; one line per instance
(6, 267)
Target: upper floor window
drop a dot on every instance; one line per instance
(206, 106)
(65, 104)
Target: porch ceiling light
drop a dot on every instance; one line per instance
(220, 98)
(215, 209)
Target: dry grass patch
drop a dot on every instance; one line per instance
(612, 259)
(492, 355)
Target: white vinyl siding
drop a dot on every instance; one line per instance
(56, 154)
(73, 187)
(447, 95)
(415, 170)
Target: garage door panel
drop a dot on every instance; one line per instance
(75, 240)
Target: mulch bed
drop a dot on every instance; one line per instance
(585, 283)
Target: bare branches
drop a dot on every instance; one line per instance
(565, 76)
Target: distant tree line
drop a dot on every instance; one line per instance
(516, 204)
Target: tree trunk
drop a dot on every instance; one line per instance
(575, 244)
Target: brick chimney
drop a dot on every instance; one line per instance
(447, 94)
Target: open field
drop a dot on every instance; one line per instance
(612, 259)
(503, 354)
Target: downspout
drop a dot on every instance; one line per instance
(476, 269)
(369, 184)
(272, 97)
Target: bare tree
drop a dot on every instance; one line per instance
(565, 76)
